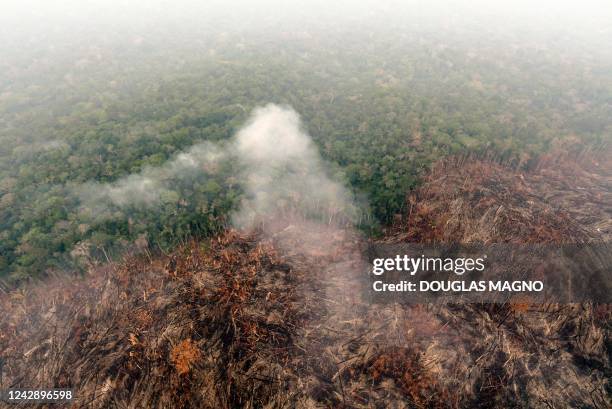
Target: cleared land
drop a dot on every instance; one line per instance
(276, 318)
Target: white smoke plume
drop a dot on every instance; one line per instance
(150, 187)
(281, 173)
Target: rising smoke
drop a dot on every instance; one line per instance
(283, 171)
(149, 188)
(280, 171)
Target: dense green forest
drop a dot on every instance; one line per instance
(380, 107)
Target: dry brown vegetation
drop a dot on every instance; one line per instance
(562, 197)
(279, 319)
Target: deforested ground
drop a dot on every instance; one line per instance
(276, 317)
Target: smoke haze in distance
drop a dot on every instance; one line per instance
(101, 17)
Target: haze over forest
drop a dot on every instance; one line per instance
(93, 94)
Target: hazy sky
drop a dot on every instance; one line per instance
(571, 24)
(44, 13)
